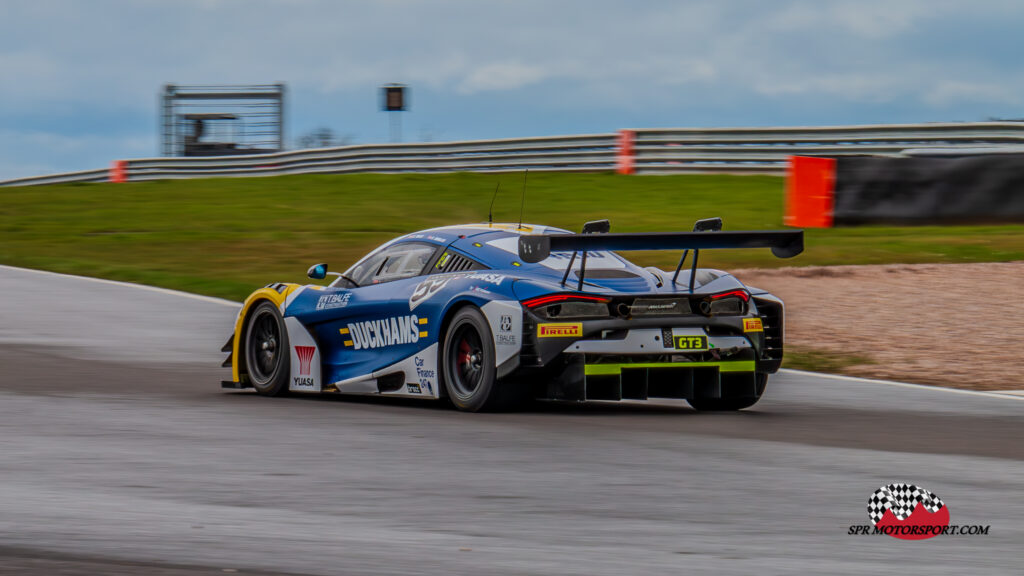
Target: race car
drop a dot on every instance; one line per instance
(489, 315)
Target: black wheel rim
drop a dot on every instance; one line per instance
(264, 346)
(466, 357)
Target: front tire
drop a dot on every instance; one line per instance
(467, 361)
(267, 355)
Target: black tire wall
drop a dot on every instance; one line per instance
(937, 190)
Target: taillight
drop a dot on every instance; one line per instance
(553, 298)
(741, 294)
(733, 302)
(568, 306)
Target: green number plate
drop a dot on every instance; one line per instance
(691, 343)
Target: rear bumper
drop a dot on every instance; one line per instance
(636, 359)
(680, 380)
(584, 377)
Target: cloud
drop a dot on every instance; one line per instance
(945, 93)
(867, 19)
(571, 66)
(124, 51)
(501, 76)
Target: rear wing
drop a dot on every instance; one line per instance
(534, 248)
(784, 243)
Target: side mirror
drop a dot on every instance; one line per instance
(708, 225)
(597, 227)
(317, 271)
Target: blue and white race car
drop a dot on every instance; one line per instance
(488, 315)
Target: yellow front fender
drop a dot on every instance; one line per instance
(277, 294)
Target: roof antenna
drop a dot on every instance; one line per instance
(522, 201)
(490, 211)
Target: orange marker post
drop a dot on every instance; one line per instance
(624, 158)
(810, 192)
(119, 171)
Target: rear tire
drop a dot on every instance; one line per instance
(467, 363)
(729, 404)
(267, 354)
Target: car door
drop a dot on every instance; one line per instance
(376, 327)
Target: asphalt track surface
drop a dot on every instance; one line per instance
(119, 454)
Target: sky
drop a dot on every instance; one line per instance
(79, 81)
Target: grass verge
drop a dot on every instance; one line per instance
(223, 237)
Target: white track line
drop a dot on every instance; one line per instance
(1011, 395)
(209, 299)
(999, 395)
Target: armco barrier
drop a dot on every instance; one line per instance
(101, 175)
(767, 150)
(644, 151)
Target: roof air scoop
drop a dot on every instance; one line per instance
(597, 227)
(708, 225)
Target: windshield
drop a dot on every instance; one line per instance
(392, 262)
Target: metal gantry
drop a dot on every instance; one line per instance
(222, 120)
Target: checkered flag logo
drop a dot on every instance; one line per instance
(901, 499)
